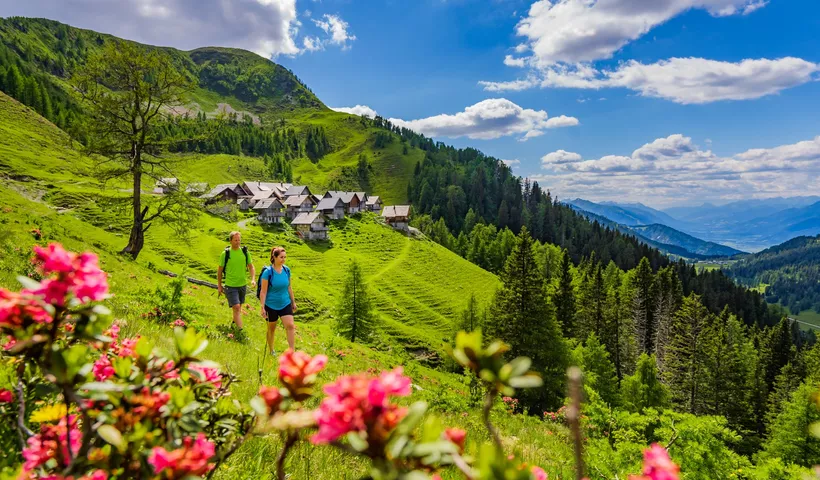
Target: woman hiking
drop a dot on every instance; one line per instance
(276, 297)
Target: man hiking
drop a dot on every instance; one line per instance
(234, 265)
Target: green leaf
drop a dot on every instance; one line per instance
(526, 381)
(102, 387)
(815, 429)
(396, 447)
(144, 347)
(101, 310)
(259, 406)
(414, 416)
(520, 366)
(28, 283)
(440, 446)
(357, 442)
(110, 434)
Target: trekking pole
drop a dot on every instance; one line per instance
(259, 367)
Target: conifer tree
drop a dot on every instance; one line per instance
(355, 318)
(790, 438)
(522, 317)
(599, 372)
(684, 356)
(644, 303)
(644, 389)
(14, 83)
(564, 298)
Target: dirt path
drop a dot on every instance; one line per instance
(399, 258)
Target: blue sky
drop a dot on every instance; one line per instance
(666, 102)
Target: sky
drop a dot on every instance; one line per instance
(665, 102)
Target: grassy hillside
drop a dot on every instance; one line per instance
(414, 302)
(228, 80)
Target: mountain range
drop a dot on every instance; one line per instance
(747, 225)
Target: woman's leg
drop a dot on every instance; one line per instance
(290, 329)
(270, 333)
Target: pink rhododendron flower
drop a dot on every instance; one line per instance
(272, 398)
(52, 442)
(5, 396)
(179, 322)
(55, 258)
(149, 402)
(79, 275)
(113, 332)
(103, 370)
(16, 308)
(457, 436)
(191, 459)
(126, 348)
(96, 475)
(298, 370)
(171, 370)
(350, 407)
(538, 473)
(209, 374)
(657, 465)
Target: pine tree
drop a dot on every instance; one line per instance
(644, 389)
(599, 372)
(684, 355)
(729, 362)
(522, 317)
(790, 439)
(355, 313)
(14, 83)
(644, 306)
(564, 298)
(669, 293)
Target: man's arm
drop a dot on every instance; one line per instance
(219, 279)
(253, 274)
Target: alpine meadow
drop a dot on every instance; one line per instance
(453, 318)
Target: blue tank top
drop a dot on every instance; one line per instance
(278, 296)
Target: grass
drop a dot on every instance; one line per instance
(417, 286)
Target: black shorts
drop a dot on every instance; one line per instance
(274, 315)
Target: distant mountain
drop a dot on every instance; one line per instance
(748, 225)
(670, 236)
(790, 271)
(629, 214)
(666, 239)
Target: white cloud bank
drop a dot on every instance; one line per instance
(266, 27)
(565, 37)
(488, 119)
(674, 169)
(361, 110)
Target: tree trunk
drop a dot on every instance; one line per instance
(137, 238)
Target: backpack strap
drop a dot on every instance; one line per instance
(287, 270)
(227, 257)
(245, 251)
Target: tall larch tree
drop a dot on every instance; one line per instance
(684, 355)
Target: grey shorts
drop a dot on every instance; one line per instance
(235, 295)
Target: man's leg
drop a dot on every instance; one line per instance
(237, 314)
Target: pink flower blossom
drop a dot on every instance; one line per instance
(5, 396)
(171, 370)
(52, 442)
(126, 348)
(18, 309)
(457, 436)
(209, 374)
(96, 475)
(657, 465)
(103, 370)
(179, 322)
(191, 459)
(538, 473)
(272, 398)
(298, 370)
(350, 407)
(113, 332)
(55, 259)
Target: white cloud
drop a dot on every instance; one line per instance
(488, 119)
(312, 44)
(562, 121)
(511, 86)
(266, 27)
(675, 169)
(336, 28)
(572, 31)
(361, 110)
(682, 80)
(511, 61)
(511, 163)
(559, 157)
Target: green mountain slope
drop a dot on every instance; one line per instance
(228, 80)
(670, 236)
(790, 273)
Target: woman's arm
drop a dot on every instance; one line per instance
(292, 299)
(263, 292)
